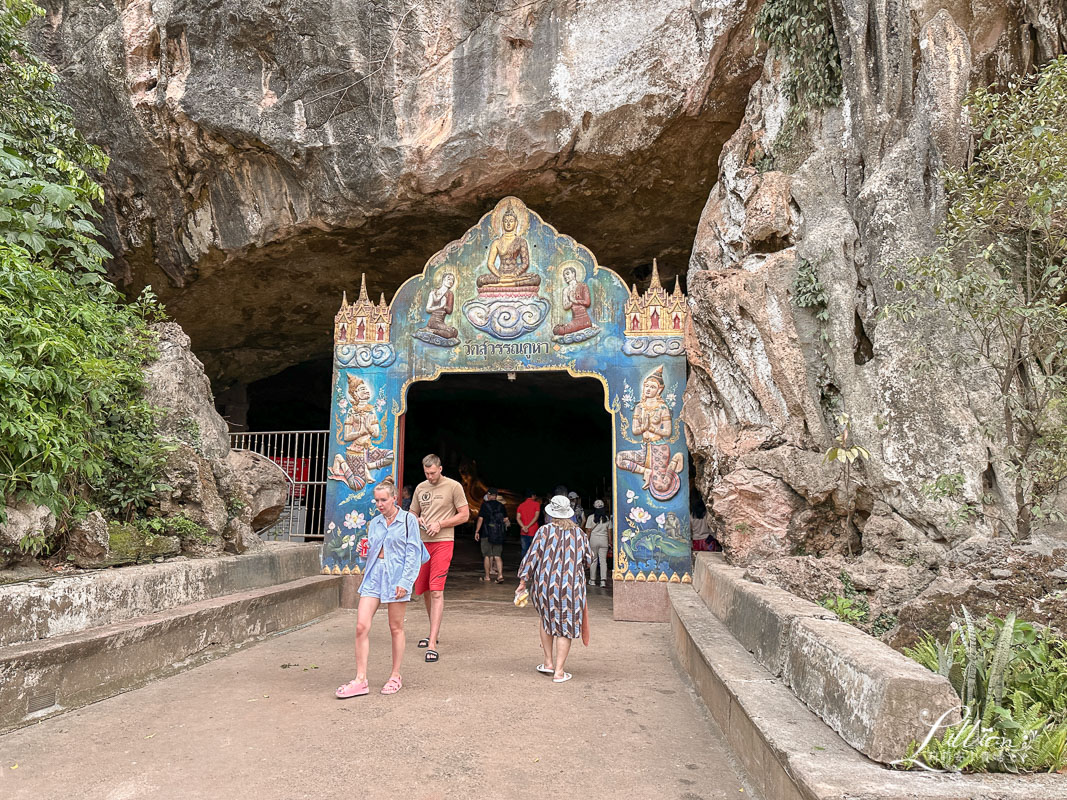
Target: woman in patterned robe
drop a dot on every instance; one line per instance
(555, 568)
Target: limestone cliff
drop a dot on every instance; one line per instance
(266, 152)
(854, 194)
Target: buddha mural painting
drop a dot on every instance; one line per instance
(576, 299)
(509, 254)
(652, 422)
(508, 305)
(361, 427)
(439, 304)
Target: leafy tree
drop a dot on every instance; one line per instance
(74, 425)
(1000, 271)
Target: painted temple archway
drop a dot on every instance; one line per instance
(514, 295)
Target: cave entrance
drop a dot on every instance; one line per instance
(514, 298)
(527, 432)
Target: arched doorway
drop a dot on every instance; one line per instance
(501, 431)
(513, 296)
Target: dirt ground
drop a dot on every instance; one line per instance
(263, 723)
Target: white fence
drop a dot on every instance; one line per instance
(302, 455)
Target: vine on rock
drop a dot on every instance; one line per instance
(802, 31)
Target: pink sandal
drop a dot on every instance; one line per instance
(352, 689)
(392, 686)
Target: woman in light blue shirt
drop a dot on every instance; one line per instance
(394, 555)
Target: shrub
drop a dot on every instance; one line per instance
(74, 424)
(999, 276)
(1011, 677)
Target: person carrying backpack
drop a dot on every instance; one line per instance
(491, 530)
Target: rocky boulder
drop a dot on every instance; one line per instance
(258, 485)
(988, 576)
(88, 542)
(24, 525)
(256, 490)
(215, 498)
(193, 496)
(178, 387)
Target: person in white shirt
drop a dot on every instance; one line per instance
(598, 525)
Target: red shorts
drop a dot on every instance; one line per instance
(434, 572)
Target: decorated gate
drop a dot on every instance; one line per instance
(514, 295)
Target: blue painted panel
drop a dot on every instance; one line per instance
(514, 295)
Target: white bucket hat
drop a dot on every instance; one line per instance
(559, 507)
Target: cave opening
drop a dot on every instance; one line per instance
(534, 432)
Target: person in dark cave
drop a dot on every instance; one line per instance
(699, 528)
(528, 516)
(490, 531)
(598, 526)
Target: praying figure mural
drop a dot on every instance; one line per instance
(439, 304)
(508, 305)
(576, 299)
(653, 423)
(361, 427)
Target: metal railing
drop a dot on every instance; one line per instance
(302, 456)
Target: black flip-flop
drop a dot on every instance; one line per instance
(426, 642)
(432, 657)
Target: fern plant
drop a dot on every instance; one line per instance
(1011, 677)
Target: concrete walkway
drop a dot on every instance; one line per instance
(263, 723)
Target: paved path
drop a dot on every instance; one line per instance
(263, 723)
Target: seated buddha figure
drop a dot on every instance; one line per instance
(509, 256)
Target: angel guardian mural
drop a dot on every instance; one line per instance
(361, 427)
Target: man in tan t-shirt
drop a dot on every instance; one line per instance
(440, 504)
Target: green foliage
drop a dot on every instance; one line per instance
(803, 32)
(73, 420)
(35, 544)
(882, 624)
(1000, 273)
(851, 605)
(179, 525)
(1011, 677)
(844, 452)
(189, 428)
(848, 609)
(47, 193)
(808, 292)
(234, 506)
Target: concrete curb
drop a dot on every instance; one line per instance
(43, 678)
(42, 609)
(787, 751)
(877, 699)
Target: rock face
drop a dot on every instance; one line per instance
(177, 383)
(216, 498)
(989, 577)
(257, 146)
(260, 484)
(22, 522)
(852, 195)
(88, 543)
